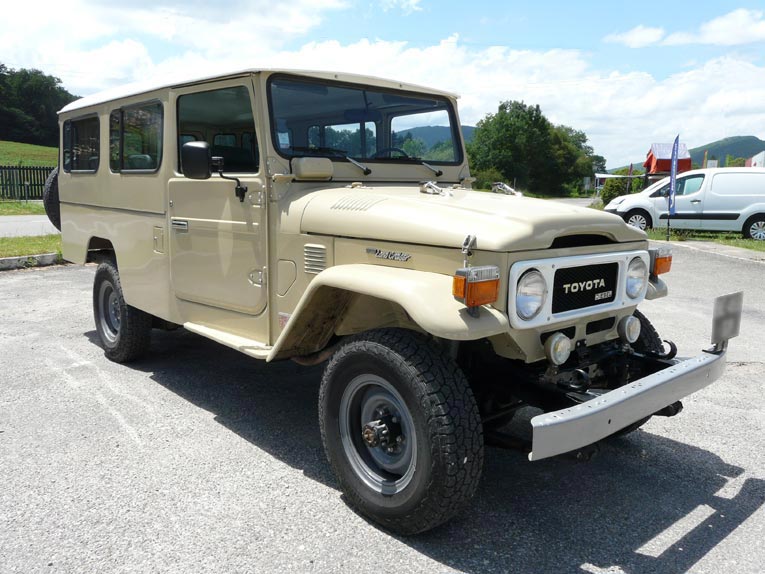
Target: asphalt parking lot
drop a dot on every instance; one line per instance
(199, 459)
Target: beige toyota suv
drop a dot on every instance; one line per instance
(329, 218)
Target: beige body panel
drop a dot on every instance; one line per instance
(425, 297)
(499, 222)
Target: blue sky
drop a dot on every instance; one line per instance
(627, 75)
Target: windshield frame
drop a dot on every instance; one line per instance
(455, 128)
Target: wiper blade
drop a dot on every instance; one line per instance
(359, 165)
(438, 172)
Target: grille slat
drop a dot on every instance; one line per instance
(314, 258)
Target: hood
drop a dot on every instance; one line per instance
(500, 222)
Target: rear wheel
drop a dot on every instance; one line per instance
(124, 331)
(638, 218)
(401, 430)
(754, 228)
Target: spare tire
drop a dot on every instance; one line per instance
(50, 199)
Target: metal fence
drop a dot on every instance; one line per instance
(22, 183)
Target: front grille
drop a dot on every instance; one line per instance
(579, 287)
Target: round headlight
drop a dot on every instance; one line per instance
(530, 294)
(637, 276)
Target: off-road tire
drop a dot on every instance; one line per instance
(50, 199)
(648, 342)
(125, 335)
(757, 220)
(639, 213)
(449, 453)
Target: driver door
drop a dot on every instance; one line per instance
(218, 243)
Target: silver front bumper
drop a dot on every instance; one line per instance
(575, 427)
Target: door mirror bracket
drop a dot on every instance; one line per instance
(240, 190)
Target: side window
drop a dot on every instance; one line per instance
(115, 135)
(135, 138)
(142, 137)
(225, 140)
(222, 118)
(81, 144)
(690, 185)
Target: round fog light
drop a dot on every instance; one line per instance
(629, 329)
(558, 348)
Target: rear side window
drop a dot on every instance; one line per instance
(223, 118)
(135, 138)
(81, 141)
(739, 184)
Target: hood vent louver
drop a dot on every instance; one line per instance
(314, 258)
(357, 202)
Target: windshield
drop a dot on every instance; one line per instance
(313, 118)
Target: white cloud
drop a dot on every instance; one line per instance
(639, 37)
(738, 27)
(735, 28)
(406, 6)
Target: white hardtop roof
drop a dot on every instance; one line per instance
(138, 88)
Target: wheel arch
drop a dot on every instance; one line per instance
(348, 299)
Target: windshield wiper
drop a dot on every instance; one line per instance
(334, 152)
(359, 165)
(438, 172)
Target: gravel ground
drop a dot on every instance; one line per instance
(199, 459)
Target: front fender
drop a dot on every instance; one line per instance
(426, 298)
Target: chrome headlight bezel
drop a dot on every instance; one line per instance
(636, 279)
(530, 294)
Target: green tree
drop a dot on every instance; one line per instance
(731, 161)
(615, 187)
(524, 146)
(29, 102)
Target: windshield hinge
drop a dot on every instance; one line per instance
(430, 188)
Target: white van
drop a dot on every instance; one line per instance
(719, 199)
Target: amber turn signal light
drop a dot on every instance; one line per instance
(475, 286)
(662, 260)
(662, 265)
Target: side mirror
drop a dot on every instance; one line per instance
(196, 160)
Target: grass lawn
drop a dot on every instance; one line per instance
(732, 239)
(30, 245)
(13, 153)
(21, 208)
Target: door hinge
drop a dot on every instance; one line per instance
(256, 198)
(259, 277)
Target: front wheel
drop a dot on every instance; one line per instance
(638, 218)
(401, 430)
(124, 331)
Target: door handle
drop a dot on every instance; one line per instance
(180, 225)
(695, 201)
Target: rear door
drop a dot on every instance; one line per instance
(729, 196)
(219, 243)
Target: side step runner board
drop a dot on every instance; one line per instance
(244, 345)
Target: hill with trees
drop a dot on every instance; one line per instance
(29, 101)
(728, 151)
